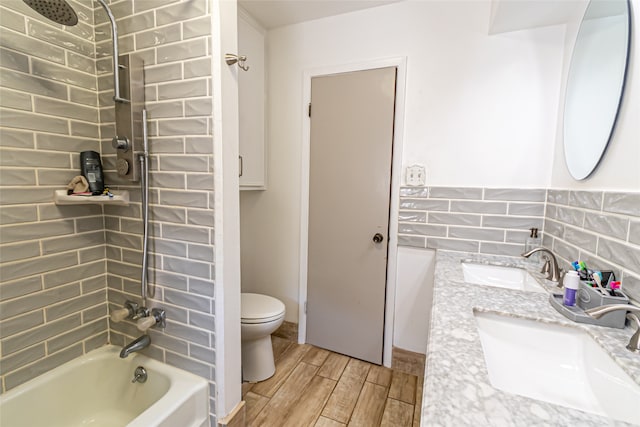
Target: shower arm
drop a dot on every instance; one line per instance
(116, 65)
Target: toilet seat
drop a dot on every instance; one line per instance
(258, 308)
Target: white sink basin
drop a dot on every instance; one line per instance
(501, 277)
(556, 364)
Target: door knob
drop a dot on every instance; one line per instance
(377, 238)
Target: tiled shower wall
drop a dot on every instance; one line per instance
(600, 228)
(52, 294)
(173, 39)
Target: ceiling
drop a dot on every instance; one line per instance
(278, 13)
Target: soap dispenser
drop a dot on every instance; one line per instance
(532, 242)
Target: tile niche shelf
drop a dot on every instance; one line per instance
(60, 197)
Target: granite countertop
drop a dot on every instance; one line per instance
(457, 391)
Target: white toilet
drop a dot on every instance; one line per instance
(260, 316)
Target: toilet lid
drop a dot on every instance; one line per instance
(260, 307)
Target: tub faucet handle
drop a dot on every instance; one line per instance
(127, 312)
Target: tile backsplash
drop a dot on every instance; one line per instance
(601, 228)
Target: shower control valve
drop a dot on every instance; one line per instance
(120, 143)
(129, 311)
(157, 316)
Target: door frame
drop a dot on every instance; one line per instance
(400, 63)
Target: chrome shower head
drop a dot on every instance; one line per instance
(56, 10)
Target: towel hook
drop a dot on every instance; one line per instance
(231, 59)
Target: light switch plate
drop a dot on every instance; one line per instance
(416, 175)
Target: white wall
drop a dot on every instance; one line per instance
(480, 111)
(619, 169)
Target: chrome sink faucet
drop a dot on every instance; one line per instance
(138, 344)
(550, 267)
(634, 312)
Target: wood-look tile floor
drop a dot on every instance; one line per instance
(316, 387)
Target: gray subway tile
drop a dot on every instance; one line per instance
(197, 27)
(27, 120)
(565, 250)
(63, 74)
(13, 99)
(421, 192)
(81, 63)
(160, 110)
(34, 158)
(96, 342)
(188, 267)
(71, 110)
(632, 286)
(586, 199)
(38, 300)
(200, 182)
(66, 143)
(20, 287)
(18, 214)
(76, 273)
(607, 225)
(198, 145)
(181, 51)
(621, 254)
(554, 228)
(25, 195)
(39, 334)
(188, 333)
(203, 321)
(164, 145)
(197, 68)
(500, 249)
(412, 241)
(124, 240)
(455, 193)
(36, 266)
(75, 241)
(74, 305)
(185, 10)
(163, 73)
(21, 323)
(16, 138)
(17, 177)
(183, 163)
(182, 89)
(89, 130)
(167, 279)
(479, 207)
(51, 211)
(123, 269)
(201, 253)
(560, 197)
(623, 203)
(192, 199)
(33, 47)
(60, 38)
(423, 229)
(189, 301)
(408, 216)
(44, 365)
(191, 365)
(19, 251)
(515, 194)
(526, 209)
(22, 358)
(168, 342)
(452, 245)
(198, 107)
(581, 239)
(570, 216)
(12, 20)
(476, 234)
(168, 180)
(93, 284)
(201, 287)
(186, 126)
(634, 232)
(511, 222)
(517, 236)
(425, 204)
(76, 335)
(200, 217)
(204, 354)
(14, 60)
(454, 219)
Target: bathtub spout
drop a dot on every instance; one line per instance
(138, 344)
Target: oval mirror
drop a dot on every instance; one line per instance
(595, 84)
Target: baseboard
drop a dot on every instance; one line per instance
(236, 418)
(288, 331)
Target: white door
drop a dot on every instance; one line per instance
(352, 116)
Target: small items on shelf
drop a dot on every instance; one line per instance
(60, 197)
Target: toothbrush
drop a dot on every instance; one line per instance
(597, 277)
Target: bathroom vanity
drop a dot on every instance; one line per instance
(459, 389)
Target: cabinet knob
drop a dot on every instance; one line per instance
(378, 238)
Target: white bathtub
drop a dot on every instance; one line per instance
(96, 390)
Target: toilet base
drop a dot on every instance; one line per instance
(257, 359)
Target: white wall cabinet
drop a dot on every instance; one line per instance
(251, 99)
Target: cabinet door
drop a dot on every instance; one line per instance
(251, 98)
